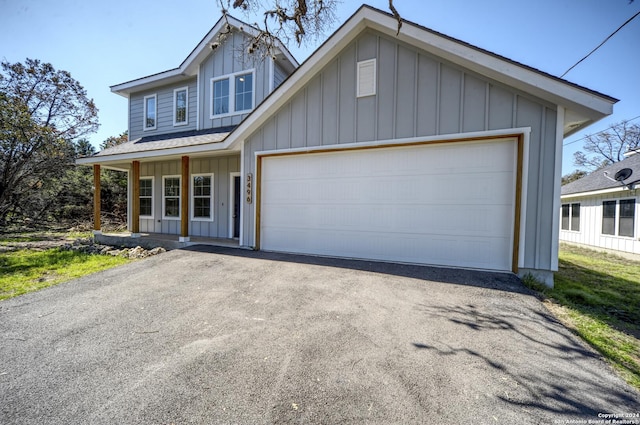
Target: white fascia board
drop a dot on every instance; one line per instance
(156, 154)
(150, 81)
(189, 66)
(594, 193)
(520, 77)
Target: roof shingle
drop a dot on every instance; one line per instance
(598, 181)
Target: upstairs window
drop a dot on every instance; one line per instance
(180, 106)
(618, 217)
(571, 217)
(232, 94)
(244, 92)
(150, 112)
(220, 90)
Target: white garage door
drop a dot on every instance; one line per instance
(442, 204)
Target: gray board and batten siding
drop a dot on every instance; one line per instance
(164, 99)
(417, 95)
(229, 58)
(220, 167)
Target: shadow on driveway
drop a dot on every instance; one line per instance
(478, 278)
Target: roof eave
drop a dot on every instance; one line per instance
(588, 103)
(589, 106)
(594, 192)
(189, 67)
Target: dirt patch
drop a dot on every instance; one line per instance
(36, 242)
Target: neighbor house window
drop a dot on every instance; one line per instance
(575, 217)
(146, 197)
(609, 218)
(171, 197)
(150, 112)
(622, 213)
(627, 217)
(232, 94)
(571, 217)
(180, 106)
(202, 197)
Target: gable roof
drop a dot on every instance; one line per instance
(189, 66)
(582, 105)
(599, 182)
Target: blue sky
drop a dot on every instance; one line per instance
(106, 42)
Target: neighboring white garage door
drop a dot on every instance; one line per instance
(442, 204)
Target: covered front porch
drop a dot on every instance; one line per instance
(186, 194)
(153, 240)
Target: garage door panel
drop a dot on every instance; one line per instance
(483, 189)
(410, 248)
(449, 204)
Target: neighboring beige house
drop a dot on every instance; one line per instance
(414, 148)
(599, 210)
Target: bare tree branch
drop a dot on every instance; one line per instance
(607, 147)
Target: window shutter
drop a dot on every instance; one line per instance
(366, 78)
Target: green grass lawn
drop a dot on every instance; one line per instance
(598, 296)
(25, 270)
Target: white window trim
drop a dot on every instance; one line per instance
(140, 196)
(164, 213)
(232, 93)
(361, 65)
(193, 198)
(175, 106)
(144, 113)
(616, 223)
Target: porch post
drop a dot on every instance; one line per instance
(184, 201)
(96, 199)
(135, 201)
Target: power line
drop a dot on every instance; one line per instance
(600, 45)
(599, 132)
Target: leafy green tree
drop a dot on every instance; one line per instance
(115, 140)
(43, 111)
(575, 175)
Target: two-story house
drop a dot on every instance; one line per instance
(412, 147)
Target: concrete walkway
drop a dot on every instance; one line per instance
(219, 336)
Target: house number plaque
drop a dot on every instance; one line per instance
(249, 187)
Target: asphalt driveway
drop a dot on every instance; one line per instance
(213, 335)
